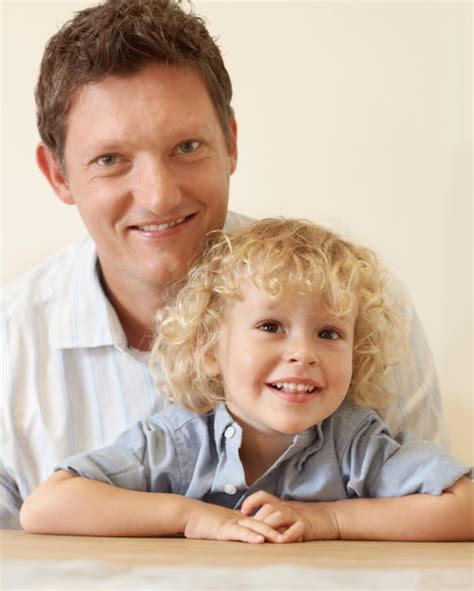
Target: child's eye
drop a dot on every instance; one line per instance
(329, 333)
(270, 326)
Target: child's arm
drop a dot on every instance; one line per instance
(70, 504)
(417, 517)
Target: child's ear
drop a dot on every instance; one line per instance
(211, 365)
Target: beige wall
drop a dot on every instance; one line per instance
(356, 114)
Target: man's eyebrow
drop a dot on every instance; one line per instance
(179, 133)
(104, 146)
(193, 130)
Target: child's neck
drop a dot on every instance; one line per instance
(259, 451)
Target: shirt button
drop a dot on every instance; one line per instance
(229, 432)
(230, 489)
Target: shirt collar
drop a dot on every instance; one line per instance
(83, 315)
(223, 420)
(306, 443)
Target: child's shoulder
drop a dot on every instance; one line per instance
(353, 415)
(351, 421)
(188, 428)
(176, 418)
(179, 425)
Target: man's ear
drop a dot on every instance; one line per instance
(52, 171)
(233, 144)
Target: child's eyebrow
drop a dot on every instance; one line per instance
(347, 319)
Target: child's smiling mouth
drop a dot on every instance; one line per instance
(295, 389)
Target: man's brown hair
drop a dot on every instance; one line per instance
(120, 37)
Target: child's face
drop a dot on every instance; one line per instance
(286, 364)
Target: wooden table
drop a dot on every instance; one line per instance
(432, 565)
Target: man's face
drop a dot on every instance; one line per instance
(148, 166)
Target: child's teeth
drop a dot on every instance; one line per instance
(292, 387)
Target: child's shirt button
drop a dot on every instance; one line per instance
(229, 432)
(230, 489)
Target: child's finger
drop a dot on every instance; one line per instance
(256, 500)
(279, 519)
(243, 534)
(295, 533)
(239, 533)
(259, 527)
(265, 511)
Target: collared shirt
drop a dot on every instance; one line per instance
(349, 454)
(71, 384)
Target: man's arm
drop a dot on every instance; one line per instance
(417, 406)
(10, 500)
(418, 517)
(70, 504)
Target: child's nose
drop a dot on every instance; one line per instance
(303, 354)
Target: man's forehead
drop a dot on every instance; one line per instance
(160, 79)
(164, 99)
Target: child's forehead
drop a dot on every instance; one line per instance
(276, 291)
(297, 273)
(257, 294)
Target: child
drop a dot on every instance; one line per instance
(273, 351)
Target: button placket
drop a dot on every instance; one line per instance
(230, 488)
(230, 477)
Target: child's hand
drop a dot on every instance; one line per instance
(296, 521)
(212, 522)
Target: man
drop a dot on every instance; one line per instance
(137, 129)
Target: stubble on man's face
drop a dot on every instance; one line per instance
(148, 167)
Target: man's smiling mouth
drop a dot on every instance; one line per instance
(160, 227)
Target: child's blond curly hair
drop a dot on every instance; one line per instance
(277, 255)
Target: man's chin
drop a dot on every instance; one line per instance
(166, 274)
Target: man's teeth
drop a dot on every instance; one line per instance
(159, 227)
(291, 387)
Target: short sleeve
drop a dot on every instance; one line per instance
(376, 465)
(142, 458)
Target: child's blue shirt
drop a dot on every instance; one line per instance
(349, 454)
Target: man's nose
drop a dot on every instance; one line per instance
(157, 187)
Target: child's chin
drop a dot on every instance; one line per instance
(293, 429)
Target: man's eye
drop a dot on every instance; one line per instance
(270, 327)
(188, 147)
(107, 160)
(330, 333)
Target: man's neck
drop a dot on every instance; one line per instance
(136, 310)
(138, 326)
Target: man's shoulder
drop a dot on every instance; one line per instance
(395, 288)
(236, 221)
(43, 283)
